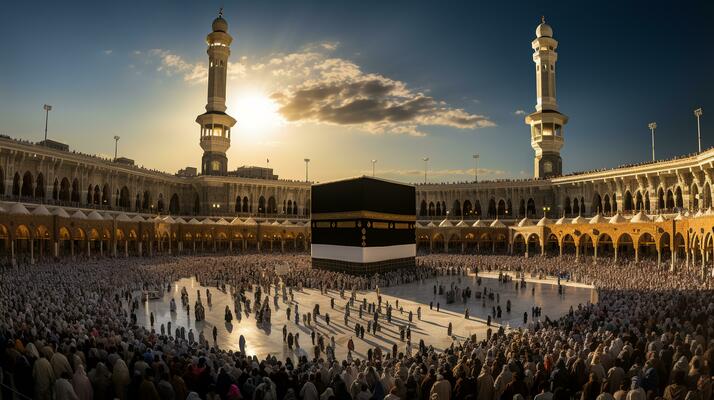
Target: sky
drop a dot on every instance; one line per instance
(347, 82)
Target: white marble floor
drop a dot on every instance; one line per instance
(432, 327)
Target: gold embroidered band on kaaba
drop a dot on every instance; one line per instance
(363, 214)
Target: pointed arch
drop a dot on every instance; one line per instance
(272, 207)
(639, 204)
(660, 199)
(501, 210)
(694, 196)
(16, 184)
(40, 186)
(607, 208)
(625, 246)
(160, 203)
(124, 198)
(106, 195)
(174, 205)
(246, 204)
(568, 246)
(605, 245)
(628, 204)
(646, 246)
(146, 201)
(438, 208)
(456, 209)
(567, 209)
(477, 208)
(261, 204)
(97, 195)
(27, 182)
(492, 208)
(530, 208)
(576, 206)
(678, 200)
(596, 205)
(55, 190)
(238, 208)
(467, 209)
(432, 209)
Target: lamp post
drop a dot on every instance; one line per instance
(373, 162)
(47, 109)
(307, 161)
(653, 126)
(116, 145)
(426, 161)
(698, 114)
(546, 209)
(476, 157)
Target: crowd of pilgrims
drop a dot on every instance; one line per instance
(70, 331)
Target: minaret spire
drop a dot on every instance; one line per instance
(546, 122)
(215, 123)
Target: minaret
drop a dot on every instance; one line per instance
(215, 123)
(546, 122)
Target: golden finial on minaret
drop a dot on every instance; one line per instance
(542, 18)
(220, 12)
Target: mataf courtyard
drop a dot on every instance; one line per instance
(263, 339)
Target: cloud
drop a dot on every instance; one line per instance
(108, 52)
(519, 112)
(336, 91)
(312, 86)
(192, 73)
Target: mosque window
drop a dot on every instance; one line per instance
(215, 165)
(547, 167)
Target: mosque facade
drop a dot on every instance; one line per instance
(59, 203)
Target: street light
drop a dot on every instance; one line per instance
(653, 126)
(476, 157)
(698, 114)
(47, 109)
(546, 209)
(307, 161)
(116, 145)
(426, 161)
(373, 162)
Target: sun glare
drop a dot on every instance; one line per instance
(255, 112)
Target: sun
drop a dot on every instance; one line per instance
(255, 112)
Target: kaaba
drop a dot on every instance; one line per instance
(363, 225)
